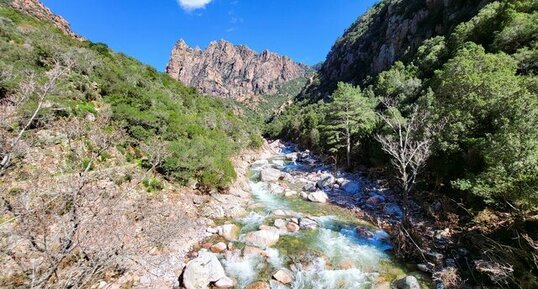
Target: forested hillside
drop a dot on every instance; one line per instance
(452, 112)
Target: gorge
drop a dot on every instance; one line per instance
(407, 159)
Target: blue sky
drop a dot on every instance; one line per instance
(147, 29)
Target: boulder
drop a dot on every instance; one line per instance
(278, 163)
(310, 187)
(284, 213)
(270, 175)
(409, 282)
(292, 157)
(325, 181)
(279, 223)
(351, 187)
(219, 247)
(202, 271)
(307, 223)
(259, 164)
(289, 194)
(253, 251)
(364, 232)
(276, 189)
(283, 276)
(225, 282)
(229, 232)
(318, 197)
(292, 227)
(262, 238)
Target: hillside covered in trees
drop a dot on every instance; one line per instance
(452, 112)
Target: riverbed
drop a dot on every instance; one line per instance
(296, 233)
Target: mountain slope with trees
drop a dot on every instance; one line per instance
(105, 163)
(467, 71)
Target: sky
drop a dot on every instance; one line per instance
(304, 30)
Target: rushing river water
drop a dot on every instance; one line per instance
(327, 246)
(294, 236)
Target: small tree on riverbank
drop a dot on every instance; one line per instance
(409, 143)
(350, 115)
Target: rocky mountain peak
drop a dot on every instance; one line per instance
(235, 71)
(40, 11)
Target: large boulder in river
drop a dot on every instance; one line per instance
(262, 238)
(270, 175)
(351, 187)
(318, 197)
(202, 271)
(326, 180)
(409, 282)
(310, 187)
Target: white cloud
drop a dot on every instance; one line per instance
(191, 5)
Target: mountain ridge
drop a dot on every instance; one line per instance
(232, 71)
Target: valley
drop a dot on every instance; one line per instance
(407, 159)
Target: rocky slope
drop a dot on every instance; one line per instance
(226, 70)
(41, 12)
(389, 31)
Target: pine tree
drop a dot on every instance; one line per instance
(350, 116)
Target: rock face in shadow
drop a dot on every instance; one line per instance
(40, 11)
(227, 70)
(390, 31)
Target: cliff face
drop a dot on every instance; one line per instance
(41, 12)
(389, 31)
(225, 70)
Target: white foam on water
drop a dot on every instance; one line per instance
(339, 247)
(252, 221)
(274, 259)
(244, 269)
(262, 194)
(318, 277)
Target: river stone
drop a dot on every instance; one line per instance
(310, 187)
(225, 282)
(307, 223)
(318, 197)
(270, 175)
(351, 187)
(409, 282)
(219, 247)
(202, 271)
(229, 232)
(259, 163)
(325, 181)
(291, 157)
(253, 251)
(262, 238)
(292, 227)
(284, 213)
(279, 223)
(276, 189)
(279, 163)
(289, 194)
(283, 276)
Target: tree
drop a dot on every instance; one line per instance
(409, 143)
(492, 125)
(350, 116)
(29, 89)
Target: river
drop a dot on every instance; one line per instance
(294, 236)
